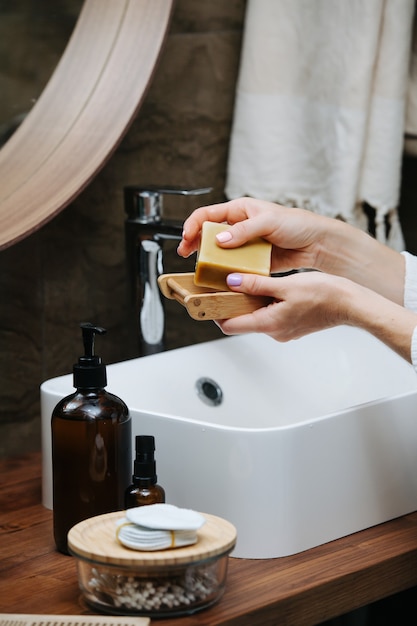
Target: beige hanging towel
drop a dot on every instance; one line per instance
(320, 107)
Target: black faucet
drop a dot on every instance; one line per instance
(146, 230)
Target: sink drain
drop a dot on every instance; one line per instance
(209, 391)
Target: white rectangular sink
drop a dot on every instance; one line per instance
(313, 440)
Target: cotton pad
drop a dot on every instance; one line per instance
(166, 516)
(158, 527)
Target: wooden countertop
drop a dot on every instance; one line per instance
(300, 590)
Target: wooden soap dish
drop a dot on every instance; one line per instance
(203, 303)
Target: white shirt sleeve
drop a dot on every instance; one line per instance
(410, 284)
(410, 297)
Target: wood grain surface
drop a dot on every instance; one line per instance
(300, 590)
(95, 539)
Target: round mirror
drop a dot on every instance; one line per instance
(82, 113)
(33, 37)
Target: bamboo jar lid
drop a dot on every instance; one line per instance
(94, 539)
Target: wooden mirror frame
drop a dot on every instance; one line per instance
(83, 112)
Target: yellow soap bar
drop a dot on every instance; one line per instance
(215, 263)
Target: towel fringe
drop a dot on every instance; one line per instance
(384, 226)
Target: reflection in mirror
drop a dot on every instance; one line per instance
(33, 36)
(83, 112)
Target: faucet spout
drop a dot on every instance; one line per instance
(151, 316)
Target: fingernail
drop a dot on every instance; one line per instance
(234, 280)
(224, 236)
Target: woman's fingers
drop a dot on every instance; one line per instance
(237, 214)
(301, 303)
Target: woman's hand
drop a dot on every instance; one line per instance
(302, 303)
(302, 239)
(306, 302)
(296, 234)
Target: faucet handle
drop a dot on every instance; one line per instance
(145, 204)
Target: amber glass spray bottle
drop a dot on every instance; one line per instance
(91, 446)
(144, 488)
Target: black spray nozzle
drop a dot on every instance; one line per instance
(90, 372)
(144, 465)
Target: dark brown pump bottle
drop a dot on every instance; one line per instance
(144, 488)
(91, 446)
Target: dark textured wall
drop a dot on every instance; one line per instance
(74, 268)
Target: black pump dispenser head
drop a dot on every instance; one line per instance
(144, 467)
(90, 372)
